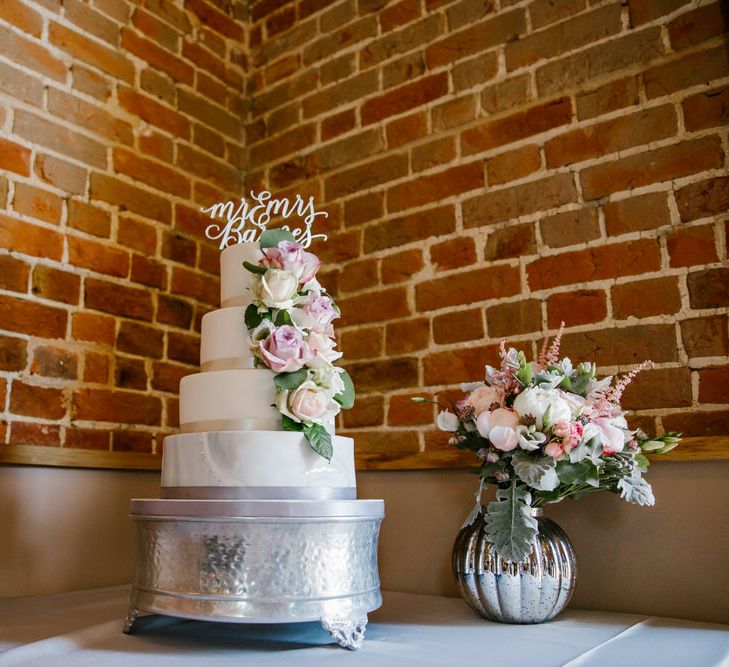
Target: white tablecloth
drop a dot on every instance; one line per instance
(84, 628)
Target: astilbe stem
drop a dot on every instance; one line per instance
(616, 393)
(552, 356)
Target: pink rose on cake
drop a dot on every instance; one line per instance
(284, 350)
(291, 256)
(316, 312)
(275, 289)
(307, 404)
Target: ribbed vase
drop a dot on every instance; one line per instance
(529, 591)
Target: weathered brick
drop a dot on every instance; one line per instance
(13, 353)
(435, 187)
(598, 263)
(56, 284)
(458, 326)
(33, 433)
(173, 311)
(574, 308)
(362, 343)
(713, 387)
(637, 129)
(132, 441)
(660, 164)
(644, 298)
(96, 367)
(35, 401)
(22, 16)
(511, 241)
(433, 154)
(126, 196)
(697, 422)
(402, 411)
(545, 12)
(55, 362)
(154, 113)
(459, 365)
(152, 173)
(30, 239)
(91, 82)
(570, 227)
(66, 176)
(659, 388)
(31, 55)
(402, 41)
(637, 214)
(364, 208)
(367, 411)
(513, 165)
(507, 94)
(699, 200)
(453, 113)
(705, 336)
(467, 287)
(643, 12)
(404, 98)
(407, 336)
(706, 109)
(13, 274)
(37, 203)
(93, 327)
(696, 68)
(697, 26)
(385, 374)
(453, 254)
(377, 306)
(406, 129)
(515, 318)
(136, 234)
(197, 285)
(409, 228)
(128, 407)
(401, 266)
(139, 339)
(513, 202)
(506, 130)
(689, 246)
(14, 157)
(89, 116)
(98, 257)
(628, 345)
(359, 275)
(130, 373)
(609, 97)
(118, 299)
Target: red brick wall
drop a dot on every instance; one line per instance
(493, 168)
(117, 121)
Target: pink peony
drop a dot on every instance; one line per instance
(291, 256)
(566, 429)
(484, 398)
(499, 428)
(285, 350)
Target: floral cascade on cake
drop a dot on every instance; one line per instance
(544, 431)
(290, 327)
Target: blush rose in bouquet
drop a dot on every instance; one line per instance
(544, 431)
(290, 328)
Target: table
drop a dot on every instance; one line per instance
(84, 628)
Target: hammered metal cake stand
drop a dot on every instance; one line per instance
(259, 561)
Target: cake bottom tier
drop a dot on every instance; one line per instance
(257, 465)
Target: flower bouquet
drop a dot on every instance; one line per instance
(545, 431)
(290, 327)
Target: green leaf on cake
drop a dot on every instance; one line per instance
(290, 424)
(289, 381)
(254, 268)
(319, 440)
(345, 398)
(252, 317)
(509, 524)
(272, 237)
(282, 317)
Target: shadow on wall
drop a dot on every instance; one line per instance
(669, 560)
(67, 528)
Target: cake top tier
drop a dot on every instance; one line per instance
(234, 278)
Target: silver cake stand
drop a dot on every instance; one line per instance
(259, 561)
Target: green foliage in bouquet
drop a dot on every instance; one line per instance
(544, 431)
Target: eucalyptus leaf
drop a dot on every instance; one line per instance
(509, 525)
(290, 424)
(272, 237)
(345, 398)
(636, 490)
(254, 268)
(538, 472)
(319, 440)
(252, 317)
(289, 381)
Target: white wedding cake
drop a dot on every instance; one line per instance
(248, 431)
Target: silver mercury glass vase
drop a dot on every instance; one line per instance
(532, 590)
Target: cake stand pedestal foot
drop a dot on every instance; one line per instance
(347, 632)
(132, 615)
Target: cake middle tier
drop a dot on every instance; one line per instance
(230, 400)
(224, 340)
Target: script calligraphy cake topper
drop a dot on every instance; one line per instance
(244, 221)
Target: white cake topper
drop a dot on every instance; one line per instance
(234, 216)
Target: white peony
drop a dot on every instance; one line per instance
(275, 289)
(539, 402)
(308, 404)
(447, 421)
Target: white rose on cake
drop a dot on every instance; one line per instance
(275, 289)
(323, 349)
(307, 404)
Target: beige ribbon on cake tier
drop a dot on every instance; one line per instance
(231, 425)
(227, 364)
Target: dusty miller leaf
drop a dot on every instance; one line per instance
(509, 525)
(636, 490)
(539, 472)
